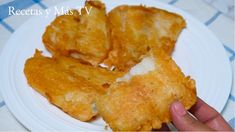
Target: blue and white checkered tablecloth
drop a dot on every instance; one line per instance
(217, 15)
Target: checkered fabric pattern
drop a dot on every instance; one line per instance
(216, 20)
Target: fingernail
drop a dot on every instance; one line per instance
(179, 108)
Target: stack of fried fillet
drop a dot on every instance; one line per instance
(74, 80)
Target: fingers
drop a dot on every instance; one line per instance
(209, 116)
(183, 121)
(203, 111)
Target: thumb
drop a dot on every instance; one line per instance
(183, 121)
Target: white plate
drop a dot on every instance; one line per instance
(198, 52)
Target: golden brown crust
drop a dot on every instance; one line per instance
(80, 35)
(143, 102)
(68, 84)
(132, 28)
(121, 39)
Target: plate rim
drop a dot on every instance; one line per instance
(7, 45)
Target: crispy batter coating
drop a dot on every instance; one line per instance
(73, 81)
(97, 75)
(82, 36)
(68, 84)
(143, 102)
(132, 28)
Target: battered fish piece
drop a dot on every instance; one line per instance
(132, 28)
(143, 102)
(83, 36)
(97, 75)
(68, 84)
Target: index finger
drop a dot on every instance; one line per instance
(203, 111)
(209, 116)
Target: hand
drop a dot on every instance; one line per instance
(207, 118)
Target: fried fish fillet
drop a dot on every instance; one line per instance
(68, 84)
(83, 36)
(142, 103)
(97, 75)
(132, 28)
